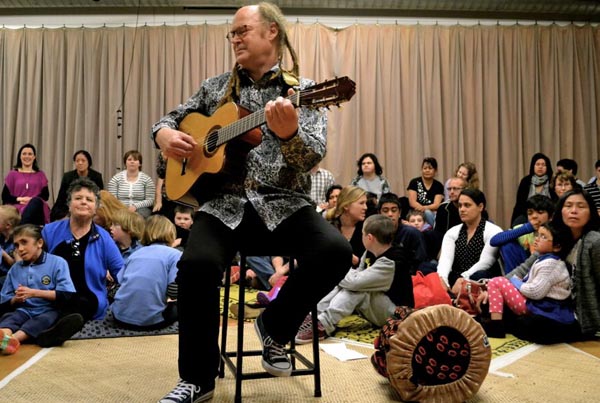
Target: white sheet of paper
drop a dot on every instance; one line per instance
(341, 352)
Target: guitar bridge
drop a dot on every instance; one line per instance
(183, 165)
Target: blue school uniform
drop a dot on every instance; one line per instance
(48, 272)
(142, 296)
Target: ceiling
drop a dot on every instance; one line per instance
(541, 10)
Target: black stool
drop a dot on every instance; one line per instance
(312, 368)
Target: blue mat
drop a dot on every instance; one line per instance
(106, 328)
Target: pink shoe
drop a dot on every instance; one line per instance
(265, 298)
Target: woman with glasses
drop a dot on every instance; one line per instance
(575, 213)
(90, 252)
(563, 182)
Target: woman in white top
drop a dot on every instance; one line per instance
(132, 187)
(466, 250)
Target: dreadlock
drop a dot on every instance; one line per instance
(269, 13)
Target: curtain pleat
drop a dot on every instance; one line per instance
(493, 95)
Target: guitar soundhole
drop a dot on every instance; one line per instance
(212, 142)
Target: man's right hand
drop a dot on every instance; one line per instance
(174, 143)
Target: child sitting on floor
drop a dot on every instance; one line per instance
(374, 289)
(9, 219)
(416, 219)
(126, 229)
(184, 218)
(31, 287)
(146, 299)
(545, 290)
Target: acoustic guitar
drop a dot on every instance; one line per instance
(226, 137)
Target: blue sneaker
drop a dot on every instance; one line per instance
(274, 358)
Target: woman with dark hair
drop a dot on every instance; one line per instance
(83, 169)
(537, 182)
(425, 193)
(466, 250)
(370, 175)
(575, 213)
(26, 188)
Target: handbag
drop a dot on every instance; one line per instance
(428, 290)
(469, 295)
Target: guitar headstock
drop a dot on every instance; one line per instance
(325, 94)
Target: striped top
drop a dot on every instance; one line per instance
(139, 193)
(594, 190)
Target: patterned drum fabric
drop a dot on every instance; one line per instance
(438, 354)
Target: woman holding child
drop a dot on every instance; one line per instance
(575, 215)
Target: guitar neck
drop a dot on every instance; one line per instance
(248, 123)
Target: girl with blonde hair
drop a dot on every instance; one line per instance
(147, 297)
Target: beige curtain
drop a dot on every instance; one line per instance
(493, 95)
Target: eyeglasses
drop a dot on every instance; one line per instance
(240, 32)
(563, 185)
(75, 252)
(454, 189)
(542, 237)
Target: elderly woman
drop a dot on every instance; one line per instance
(466, 250)
(575, 213)
(90, 252)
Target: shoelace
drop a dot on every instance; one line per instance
(276, 351)
(182, 389)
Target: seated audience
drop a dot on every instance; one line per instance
(162, 204)
(133, 187)
(126, 230)
(466, 250)
(570, 166)
(446, 217)
(374, 289)
(406, 237)
(425, 193)
(537, 182)
(516, 244)
(31, 287)
(370, 175)
(26, 188)
(331, 196)
(147, 296)
(593, 188)
(9, 220)
(545, 290)
(83, 169)
(466, 171)
(320, 180)
(575, 214)
(416, 219)
(183, 218)
(90, 252)
(562, 182)
(109, 205)
(348, 215)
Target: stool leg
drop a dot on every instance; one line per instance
(316, 357)
(240, 330)
(224, 321)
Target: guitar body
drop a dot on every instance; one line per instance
(191, 181)
(225, 138)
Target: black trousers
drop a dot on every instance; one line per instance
(323, 255)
